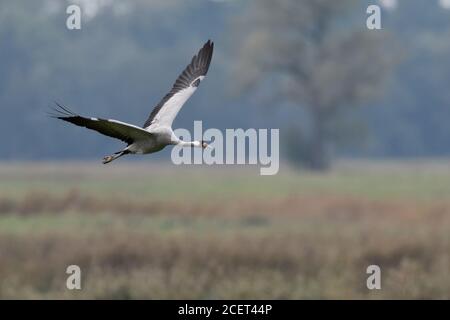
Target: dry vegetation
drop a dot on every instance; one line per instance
(200, 233)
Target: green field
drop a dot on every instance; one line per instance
(149, 231)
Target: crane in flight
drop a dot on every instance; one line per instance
(157, 131)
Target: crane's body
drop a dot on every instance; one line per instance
(157, 131)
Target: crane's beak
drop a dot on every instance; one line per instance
(205, 145)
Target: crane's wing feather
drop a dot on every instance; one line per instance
(167, 109)
(112, 128)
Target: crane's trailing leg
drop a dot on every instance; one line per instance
(114, 156)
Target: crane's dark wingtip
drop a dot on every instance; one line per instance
(204, 56)
(53, 116)
(60, 112)
(209, 43)
(63, 110)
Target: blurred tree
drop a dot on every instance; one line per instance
(316, 54)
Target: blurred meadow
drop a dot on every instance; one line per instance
(155, 231)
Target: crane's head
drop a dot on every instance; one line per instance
(200, 144)
(205, 145)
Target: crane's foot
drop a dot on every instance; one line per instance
(116, 155)
(108, 159)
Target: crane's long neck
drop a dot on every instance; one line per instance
(176, 141)
(189, 143)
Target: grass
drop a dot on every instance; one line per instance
(204, 233)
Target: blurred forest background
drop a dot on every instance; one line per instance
(302, 66)
(370, 105)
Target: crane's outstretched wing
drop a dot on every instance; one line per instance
(112, 128)
(167, 109)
